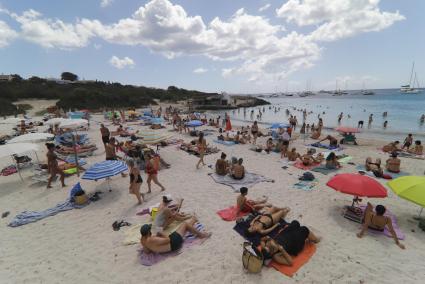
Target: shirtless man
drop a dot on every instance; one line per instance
(377, 221)
(333, 142)
(243, 204)
(173, 242)
(293, 155)
(104, 131)
(111, 154)
(393, 163)
(238, 171)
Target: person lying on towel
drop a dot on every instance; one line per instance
(267, 221)
(309, 160)
(173, 242)
(377, 221)
(290, 241)
(243, 204)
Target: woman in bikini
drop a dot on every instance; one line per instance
(152, 173)
(377, 221)
(289, 242)
(202, 147)
(53, 166)
(254, 131)
(135, 181)
(267, 221)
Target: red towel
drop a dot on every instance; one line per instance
(301, 166)
(229, 214)
(298, 261)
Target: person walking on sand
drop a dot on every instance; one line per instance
(104, 131)
(135, 181)
(202, 147)
(254, 131)
(52, 165)
(110, 152)
(152, 173)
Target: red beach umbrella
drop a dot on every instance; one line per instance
(357, 185)
(345, 129)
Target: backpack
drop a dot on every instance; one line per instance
(307, 176)
(252, 259)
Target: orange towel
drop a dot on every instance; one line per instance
(298, 261)
(301, 166)
(229, 214)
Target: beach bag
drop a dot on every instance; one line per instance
(252, 259)
(81, 199)
(307, 176)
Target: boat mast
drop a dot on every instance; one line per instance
(411, 74)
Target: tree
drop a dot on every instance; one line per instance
(69, 76)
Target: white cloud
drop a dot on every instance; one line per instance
(337, 18)
(105, 3)
(51, 33)
(264, 8)
(6, 34)
(121, 63)
(200, 70)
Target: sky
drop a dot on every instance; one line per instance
(237, 46)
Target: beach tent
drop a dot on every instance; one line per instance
(104, 170)
(9, 150)
(32, 137)
(411, 188)
(357, 185)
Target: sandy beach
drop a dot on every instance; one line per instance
(80, 246)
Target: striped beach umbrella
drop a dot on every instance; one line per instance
(104, 169)
(194, 123)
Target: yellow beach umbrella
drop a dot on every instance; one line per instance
(411, 188)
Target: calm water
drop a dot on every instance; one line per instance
(404, 112)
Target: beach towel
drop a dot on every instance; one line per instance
(411, 156)
(387, 174)
(27, 217)
(358, 219)
(249, 180)
(132, 233)
(324, 146)
(229, 214)
(255, 239)
(149, 259)
(298, 261)
(306, 185)
(324, 170)
(227, 143)
(300, 165)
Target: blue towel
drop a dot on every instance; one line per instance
(27, 217)
(227, 143)
(324, 146)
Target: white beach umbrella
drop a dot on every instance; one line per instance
(9, 150)
(73, 123)
(55, 121)
(11, 120)
(31, 137)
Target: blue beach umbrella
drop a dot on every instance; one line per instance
(279, 125)
(104, 169)
(194, 123)
(157, 120)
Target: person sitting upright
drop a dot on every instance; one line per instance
(332, 161)
(377, 221)
(293, 155)
(374, 167)
(165, 216)
(333, 142)
(238, 171)
(393, 163)
(222, 166)
(173, 242)
(269, 145)
(418, 150)
(391, 147)
(243, 204)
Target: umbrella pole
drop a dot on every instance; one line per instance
(17, 168)
(75, 154)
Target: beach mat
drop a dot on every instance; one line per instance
(229, 214)
(358, 219)
(301, 166)
(149, 259)
(324, 170)
(298, 261)
(249, 180)
(227, 143)
(306, 185)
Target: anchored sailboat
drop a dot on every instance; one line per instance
(410, 88)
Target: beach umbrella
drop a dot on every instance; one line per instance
(194, 123)
(277, 125)
(9, 150)
(73, 123)
(157, 120)
(32, 137)
(105, 169)
(357, 185)
(345, 129)
(55, 121)
(411, 188)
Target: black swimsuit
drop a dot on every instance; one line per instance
(176, 241)
(139, 178)
(265, 226)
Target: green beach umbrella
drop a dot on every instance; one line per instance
(411, 188)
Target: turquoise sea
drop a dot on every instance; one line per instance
(404, 112)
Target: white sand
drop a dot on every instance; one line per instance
(79, 246)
